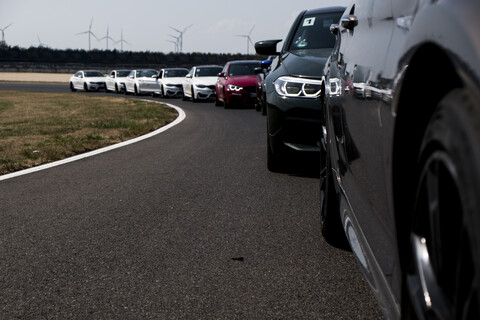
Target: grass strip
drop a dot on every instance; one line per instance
(37, 127)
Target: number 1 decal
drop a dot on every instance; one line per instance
(308, 22)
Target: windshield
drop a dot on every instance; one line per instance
(313, 36)
(208, 71)
(93, 74)
(123, 73)
(243, 69)
(172, 73)
(147, 73)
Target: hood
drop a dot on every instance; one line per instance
(243, 81)
(304, 66)
(208, 81)
(94, 79)
(173, 80)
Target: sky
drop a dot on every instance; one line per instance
(211, 26)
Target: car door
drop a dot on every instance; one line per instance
(130, 81)
(110, 81)
(187, 83)
(363, 123)
(221, 82)
(78, 80)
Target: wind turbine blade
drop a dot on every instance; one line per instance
(8, 26)
(176, 29)
(91, 22)
(93, 34)
(251, 30)
(187, 28)
(82, 33)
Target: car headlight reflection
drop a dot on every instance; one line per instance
(298, 87)
(233, 87)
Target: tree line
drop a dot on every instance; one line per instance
(45, 55)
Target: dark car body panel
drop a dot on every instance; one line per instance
(372, 78)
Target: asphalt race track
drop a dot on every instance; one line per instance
(188, 224)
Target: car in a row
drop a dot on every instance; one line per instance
(168, 82)
(234, 84)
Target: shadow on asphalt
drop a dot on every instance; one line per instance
(303, 165)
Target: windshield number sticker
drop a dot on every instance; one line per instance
(309, 22)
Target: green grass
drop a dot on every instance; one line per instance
(37, 128)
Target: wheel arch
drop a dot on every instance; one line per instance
(431, 71)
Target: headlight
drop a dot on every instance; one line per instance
(233, 87)
(298, 87)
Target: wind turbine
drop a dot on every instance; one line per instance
(122, 41)
(90, 33)
(176, 45)
(249, 40)
(177, 42)
(3, 32)
(40, 43)
(181, 33)
(107, 37)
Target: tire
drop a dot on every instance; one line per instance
(193, 95)
(135, 90)
(274, 163)
(444, 239)
(184, 97)
(116, 88)
(85, 87)
(218, 103)
(162, 91)
(330, 220)
(264, 105)
(72, 88)
(226, 105)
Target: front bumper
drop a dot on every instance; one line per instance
(205, 93)
(173, 91)
(247, 96)
(294, 124)
(95, 85)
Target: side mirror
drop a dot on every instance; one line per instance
(267, 47)
(334, 29)
(349, 22)
(258, 70)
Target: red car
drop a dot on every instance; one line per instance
(236, 84)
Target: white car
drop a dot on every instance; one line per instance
(171, 81)
(200, 81)
(88, 80)
(142, 81)
(115, 81)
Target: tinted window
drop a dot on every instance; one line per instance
(313, 36)
(93, 74)
(243, 69)
(175, 73)
(208, 71)
(123, 73)
(147, 73)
